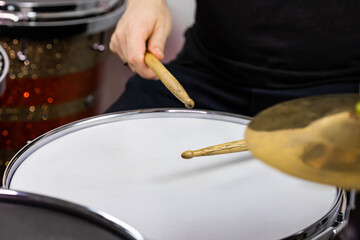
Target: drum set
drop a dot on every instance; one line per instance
(292, 172)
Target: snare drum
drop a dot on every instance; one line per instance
(56, 52)
(32, 216)
(129, 165)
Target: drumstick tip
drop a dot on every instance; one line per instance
(187, 154)
(189, 103)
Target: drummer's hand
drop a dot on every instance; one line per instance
(144, 21)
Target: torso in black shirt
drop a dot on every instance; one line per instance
(281, 43)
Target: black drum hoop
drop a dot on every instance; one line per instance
(98, 218)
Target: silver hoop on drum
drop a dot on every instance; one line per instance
(132, 161)
(87, 17)
(32, 216)
(4, 68)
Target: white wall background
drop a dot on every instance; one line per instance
(116, 75)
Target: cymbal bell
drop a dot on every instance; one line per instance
(315, 138)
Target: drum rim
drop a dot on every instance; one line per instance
(99, 218)
(90, 24)
(5, 70)
(81, 4)
(327, 220)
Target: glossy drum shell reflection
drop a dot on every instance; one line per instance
(54, 75)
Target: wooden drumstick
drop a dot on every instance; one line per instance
(168, 80)
(230, 147)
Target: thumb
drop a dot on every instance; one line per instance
(156, 43)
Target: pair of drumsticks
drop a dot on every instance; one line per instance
(173, 85)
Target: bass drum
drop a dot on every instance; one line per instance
(57, 51)
(129, 165)
(32, 216)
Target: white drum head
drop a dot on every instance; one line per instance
(129, 165)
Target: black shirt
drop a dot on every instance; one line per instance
(277, 43)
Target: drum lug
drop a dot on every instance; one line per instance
(339, 223)
(331, 232)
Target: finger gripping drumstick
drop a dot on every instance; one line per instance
(168, 80)
(230, 147)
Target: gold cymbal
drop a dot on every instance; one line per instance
(315, 138)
